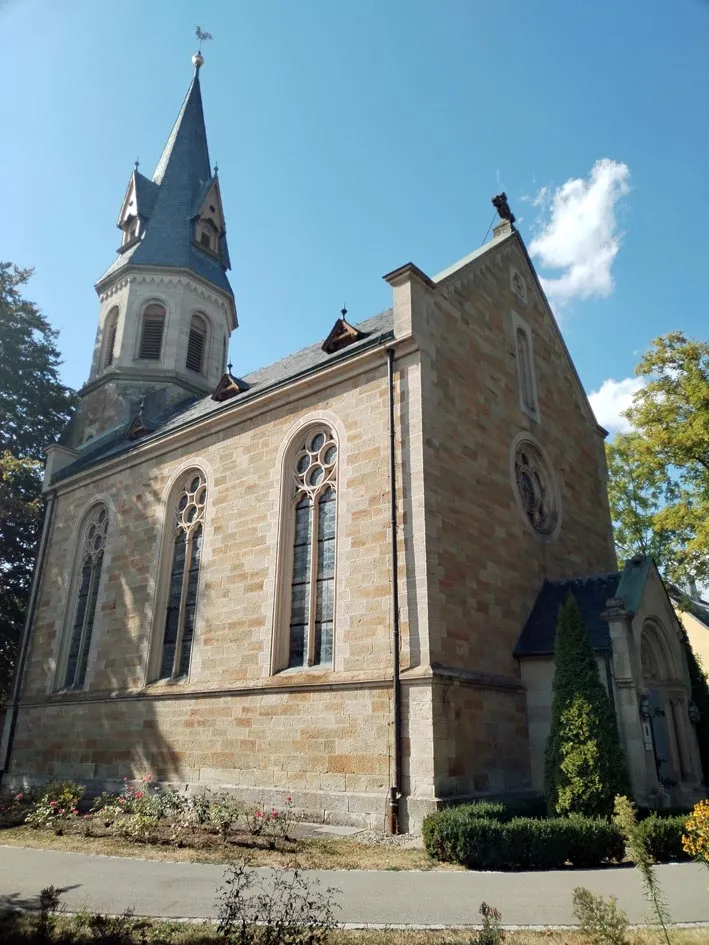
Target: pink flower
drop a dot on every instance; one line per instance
(18, 797)
(289, 799)
(121, 800)
(61, 810)
(148, 777)
(125, 779)
(86, 816)
(259, 813)
(138, 794)
(75, 810)
(54, 803)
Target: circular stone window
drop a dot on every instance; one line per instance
(535, 487)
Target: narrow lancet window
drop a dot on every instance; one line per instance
(313, 511)
(526, 376)
(183, 578)
(93, 542)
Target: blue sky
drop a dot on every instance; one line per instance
(352, 138)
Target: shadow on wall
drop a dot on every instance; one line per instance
(115, 728)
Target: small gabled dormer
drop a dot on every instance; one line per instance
(136, 208)
(209, 226)
(341, 335)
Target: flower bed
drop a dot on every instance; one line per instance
(145, 812)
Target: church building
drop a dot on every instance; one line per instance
(336, 578)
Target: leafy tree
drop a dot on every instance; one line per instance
(584, 762)
(638, 489)
(671, 415)
(34, 408)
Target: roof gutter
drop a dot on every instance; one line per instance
(27, 632)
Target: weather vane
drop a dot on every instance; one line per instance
(202, 36)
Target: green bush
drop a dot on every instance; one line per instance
(491, 810)
(663, 836)
(454, 835)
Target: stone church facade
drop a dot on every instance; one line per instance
(321, 580)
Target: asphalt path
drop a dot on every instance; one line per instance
(365, 897)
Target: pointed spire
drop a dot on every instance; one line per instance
(186, 150)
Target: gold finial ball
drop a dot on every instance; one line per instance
(198, 60)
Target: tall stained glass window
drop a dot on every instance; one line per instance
(183, 579)
(93, 543)
(312, 579)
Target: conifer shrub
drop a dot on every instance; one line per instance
(584, 763)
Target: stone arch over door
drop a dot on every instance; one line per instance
(665, 705)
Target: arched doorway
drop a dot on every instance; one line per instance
(665, 706)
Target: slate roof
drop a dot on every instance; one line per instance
(376, 331)
(168, 200)
(591, 593)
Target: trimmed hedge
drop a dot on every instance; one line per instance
(484, 836)
(457, 835)
(663, 836)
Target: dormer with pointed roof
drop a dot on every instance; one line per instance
(167, 307)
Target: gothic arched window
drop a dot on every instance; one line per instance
(84, 596)
(109, 337)
(311, 512)
(182, 578)
(196, 344)
(151, 332)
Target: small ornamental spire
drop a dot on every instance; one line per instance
(343, 310)
(229, 367)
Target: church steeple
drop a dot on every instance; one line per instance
(167, 308)
(179, 211)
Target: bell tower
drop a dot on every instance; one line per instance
(166, 306)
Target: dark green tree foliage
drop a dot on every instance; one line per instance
(700, 694)
(584, 762)
(34, 408)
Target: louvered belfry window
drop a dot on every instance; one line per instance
(196, 344)
(152, 332)
(93, 543)
(183, 578)
(110, 336)
(312, 590)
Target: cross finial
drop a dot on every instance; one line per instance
(216, 169)
(137, 163)
(229, 367)
(343, 310)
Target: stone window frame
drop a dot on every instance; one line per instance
(280, 654)
(552, 484)
(144, 306)
(165, 561)
(206, 347)
(109, 333)
(526, 375)
(87, 645)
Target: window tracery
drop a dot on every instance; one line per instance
(93, 543)
(535, 488)
(313, 511)
(186, 537)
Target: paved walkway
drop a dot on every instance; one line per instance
(435, 898)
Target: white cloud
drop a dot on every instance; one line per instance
(579, 232)
(611, 399)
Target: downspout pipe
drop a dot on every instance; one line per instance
(27, 632)
(395, 789)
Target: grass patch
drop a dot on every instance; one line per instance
(22, 931)
(322, 853)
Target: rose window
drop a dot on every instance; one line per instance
(534, 485)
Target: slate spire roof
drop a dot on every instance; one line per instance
(169, 203)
